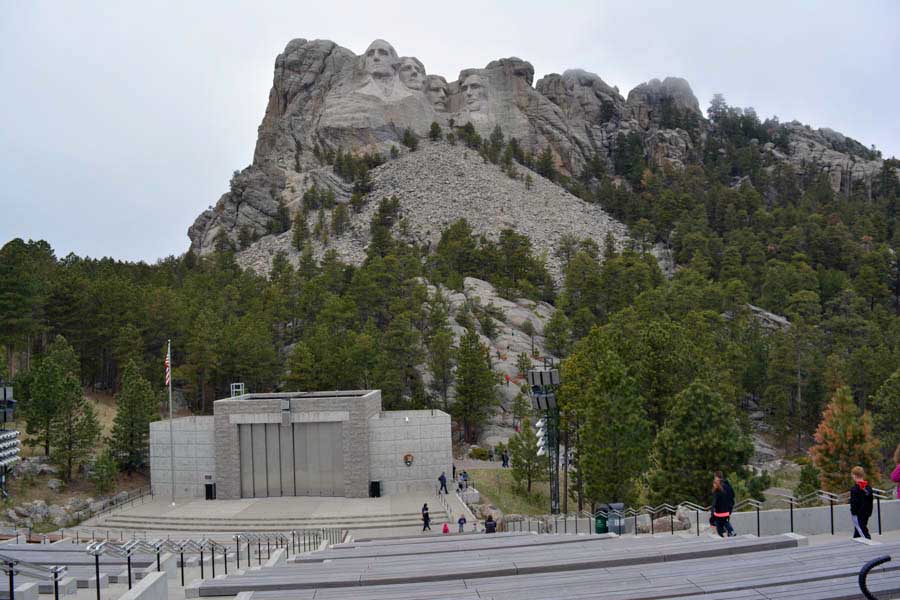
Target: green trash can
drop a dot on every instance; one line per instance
(600, 524)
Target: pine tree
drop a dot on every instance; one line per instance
(475, 394)
(886, 406)
(615, 434)
(844, 439)
(410, 140)
(435, 134)
(700, 436)
(340, 217)
(300, 232)
(301, 374)
(47, 385)
(523, 363)
(136, 407)
(558, 333)
(527, 466)
(441, 360)
(75, 429)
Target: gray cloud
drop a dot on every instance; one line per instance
(120, 122)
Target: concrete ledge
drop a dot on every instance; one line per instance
(278, 557)
(67, 586)
(91, 582)
(153, 587)
(25, 591)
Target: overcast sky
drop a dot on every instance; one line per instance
(121, 121)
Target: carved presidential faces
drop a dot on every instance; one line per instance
(380, 59)
(412, 73)
(436, 92)
(474, 92)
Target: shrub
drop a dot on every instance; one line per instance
(477, 453)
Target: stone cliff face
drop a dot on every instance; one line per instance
(325, 98)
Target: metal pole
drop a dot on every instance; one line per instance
(158, 566)
(225, 557)
(792, 516)
(652, 518)
(182, 567)
(212, 558)
(97, 573)
(878, 503)
(201, 563)
(237, 549)
(129, 570)
(757, 521)
(831, 509)
(697, 515)
(672, 522)
(12, 578)
(56, 583)
(171, 422)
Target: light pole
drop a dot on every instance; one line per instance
(543, 382)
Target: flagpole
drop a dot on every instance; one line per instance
(171, 421)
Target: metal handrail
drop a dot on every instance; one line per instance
(864, 573)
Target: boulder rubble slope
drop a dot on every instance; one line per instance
(438, 184)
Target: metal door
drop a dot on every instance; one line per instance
(318, 459)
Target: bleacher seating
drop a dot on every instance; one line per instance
(532, 567)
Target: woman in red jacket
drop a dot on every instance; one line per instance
(895, 474)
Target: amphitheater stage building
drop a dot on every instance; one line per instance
(338, 443)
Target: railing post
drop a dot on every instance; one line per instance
(158, 565)
(97, 573)
(831, 510)
(697, 517)
(12, 579)
(237, 549)
(268, 547)
(652, 516)
(878, 504)
(56, 583)
(182, 566)
(225, 557)
(672, 522)
(259, 551)
(128, 559)
(635, 523)
(757, 522)
(212, 558)
(791, 502)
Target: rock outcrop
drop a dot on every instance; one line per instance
(325, 98)
(845, 162)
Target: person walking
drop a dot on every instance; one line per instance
(895, 474)
(461, 521)
(465, 479)
(861, 498)
(426, 518)
(505, 459)
(729, 493)
(720, 509)
(490, 525)
(443, 480)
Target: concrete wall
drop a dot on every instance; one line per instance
(195, 456)
(353, 408)
(423, 433)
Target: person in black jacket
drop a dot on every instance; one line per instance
(861, 498)
(721, 509)
(729, 493)
(426, 518)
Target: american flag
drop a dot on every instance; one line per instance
(169, 364)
